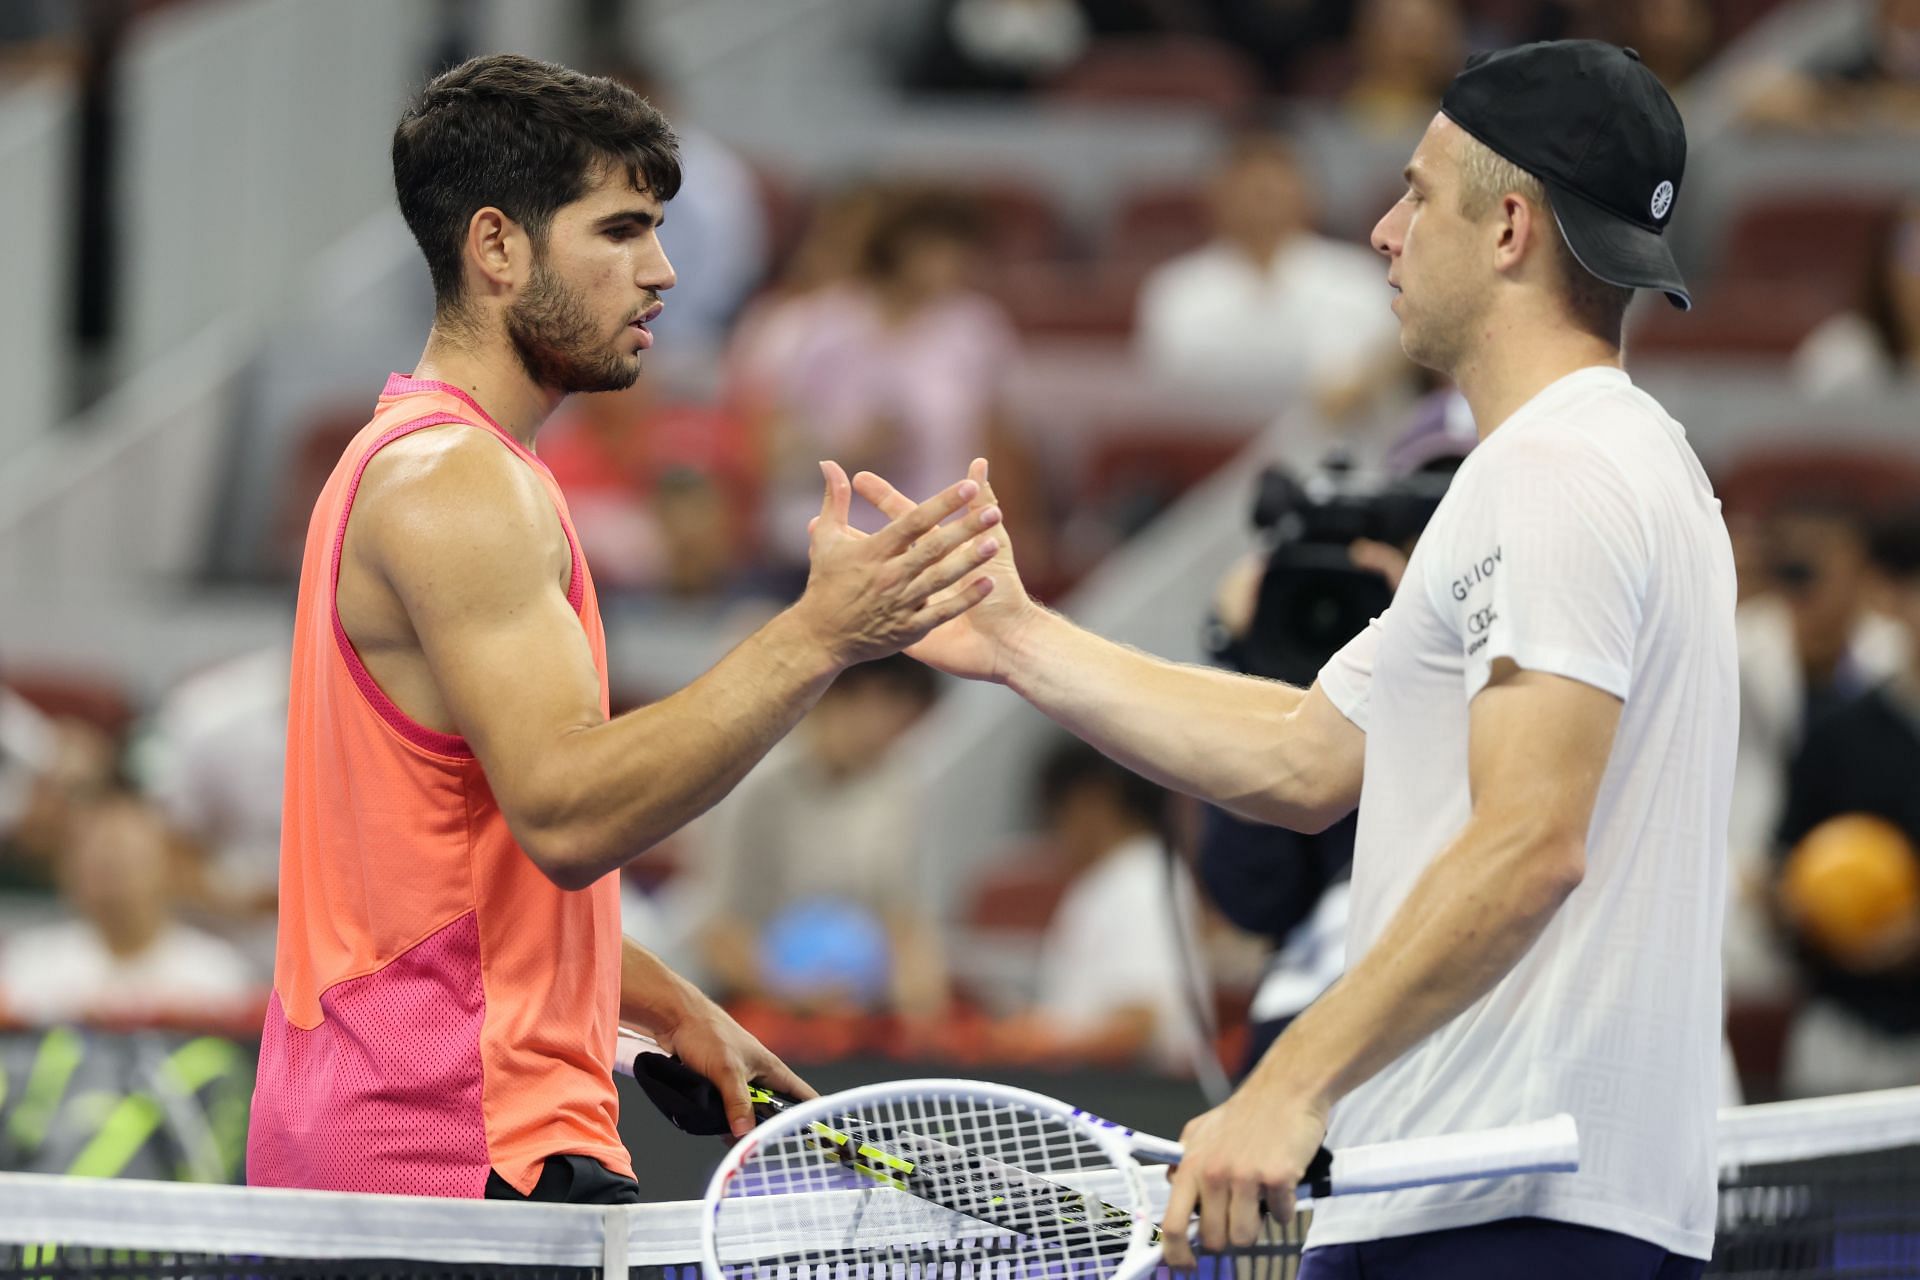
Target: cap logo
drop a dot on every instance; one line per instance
(1662, 199)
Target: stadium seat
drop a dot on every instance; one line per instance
(1163, 71)
(97, 700)
(1059, 299)
(1160, 222)
(1761, 480)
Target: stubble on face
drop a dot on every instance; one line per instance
(558, 342)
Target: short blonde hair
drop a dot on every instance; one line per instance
(1485, 177)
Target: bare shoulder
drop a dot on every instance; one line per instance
(448, 502)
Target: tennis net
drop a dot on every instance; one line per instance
(1825, 1188)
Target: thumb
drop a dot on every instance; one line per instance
(837, 503)
(733, 1093)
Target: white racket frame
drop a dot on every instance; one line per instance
(1543, 1146)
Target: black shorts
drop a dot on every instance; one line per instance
(570, 1180)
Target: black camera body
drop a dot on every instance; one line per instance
(1313, 598)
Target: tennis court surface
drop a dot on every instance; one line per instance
(1829, 1187)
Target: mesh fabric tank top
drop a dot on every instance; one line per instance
(440, 1007)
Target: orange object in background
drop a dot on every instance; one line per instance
(1852, 888)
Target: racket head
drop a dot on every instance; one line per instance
(960, 1179)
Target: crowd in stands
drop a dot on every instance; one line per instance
(881, 326)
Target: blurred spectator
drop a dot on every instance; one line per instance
(1810, 644)
(214, 762)
(50, 768)
(661, 493)
(1871, 84)
(1875, 349)
(715, 234)
(899, 369)
(1268, 306)
(810, 866)
(1405, 53)
(1114, 971)
(124, 956)
(1861, 1027)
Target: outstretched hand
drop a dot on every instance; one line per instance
(867, 597)
(976, 643)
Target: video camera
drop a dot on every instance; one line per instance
(1313, 598)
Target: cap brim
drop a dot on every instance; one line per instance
(1616, 250)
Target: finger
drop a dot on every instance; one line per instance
(889, 501)
(1280, 1201)
(1214, 1195)
(944, 609)
(731, 1081)
(779, 1077)
(939, 544)
(836, 506)
(1243, 1214)
(911, 527)
(952, 567)
(1175, 1247)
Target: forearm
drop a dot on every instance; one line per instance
(1471, 917)
(615, 789)
(652, 997)
(1208, 733)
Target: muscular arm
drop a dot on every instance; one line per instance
(1538, 747)
(470, 545)
(1262, 749)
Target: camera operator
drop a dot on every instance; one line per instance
(1336, 548)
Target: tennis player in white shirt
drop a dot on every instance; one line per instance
(1539, 734)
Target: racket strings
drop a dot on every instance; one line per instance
(928, 1188)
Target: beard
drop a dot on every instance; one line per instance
(558, 342)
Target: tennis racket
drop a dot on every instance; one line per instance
(967, 1180)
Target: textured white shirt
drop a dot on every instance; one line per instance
(1581, 538)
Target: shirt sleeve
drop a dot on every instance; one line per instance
(1549, 569)
(1347, 678)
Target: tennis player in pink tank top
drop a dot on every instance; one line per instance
(450, 973)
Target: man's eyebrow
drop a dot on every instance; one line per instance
(643, 218)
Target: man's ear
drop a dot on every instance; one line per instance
(497, 251)
(1519, 230)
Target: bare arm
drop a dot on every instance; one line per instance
(1538, 747)
(1265, 750)
(667, 1007)
(470, 546)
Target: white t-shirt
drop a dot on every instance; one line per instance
(1113, 944)
(64, 972)
(1581, 538)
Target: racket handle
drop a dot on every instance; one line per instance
(1544, 1146)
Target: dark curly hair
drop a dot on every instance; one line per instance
(522, 136)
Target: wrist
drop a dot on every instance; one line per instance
(797, 639)
(1023, 644)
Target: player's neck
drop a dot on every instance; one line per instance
(491, 372)
(1518, 360)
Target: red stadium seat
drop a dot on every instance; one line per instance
(77, 695)
(1022, 221)
(1762, 480)
(1168, 70)
(1055, 299)
(1157, 461)
(1157, 223)
(1020, 893)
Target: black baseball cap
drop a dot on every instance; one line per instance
(1598, 128)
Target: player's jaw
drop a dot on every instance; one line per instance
(561, 344)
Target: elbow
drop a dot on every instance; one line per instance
(566, 860)
(1557, 867)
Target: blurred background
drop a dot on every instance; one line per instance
(1119, 246)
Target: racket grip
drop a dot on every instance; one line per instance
(1544, 1146)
